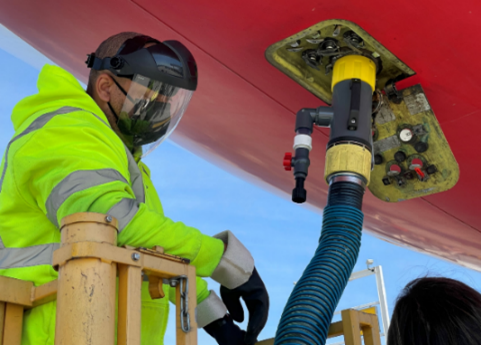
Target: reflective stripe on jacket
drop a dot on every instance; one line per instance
(64, 159)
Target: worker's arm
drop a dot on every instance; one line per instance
(239, 279)
(72, 165)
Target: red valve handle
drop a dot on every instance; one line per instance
(420, 173)
(287, 162)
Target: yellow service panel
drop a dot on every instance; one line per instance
(412, 157)
(308, 56)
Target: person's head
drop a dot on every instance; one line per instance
(436, 311)
(142, 85)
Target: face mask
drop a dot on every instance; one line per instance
(140, 129)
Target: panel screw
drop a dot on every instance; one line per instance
(135, 256)
(108, 219)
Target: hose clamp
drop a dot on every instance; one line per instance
(347, 177)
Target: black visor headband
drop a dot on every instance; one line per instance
(169, 62)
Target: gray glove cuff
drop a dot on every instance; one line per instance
(209, 310)
(236, 265)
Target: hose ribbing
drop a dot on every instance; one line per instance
(309, 310)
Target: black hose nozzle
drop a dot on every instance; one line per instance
(301, 164)
(299, 193)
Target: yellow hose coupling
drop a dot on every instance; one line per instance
(348, 158)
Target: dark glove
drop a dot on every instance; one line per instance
(226, 332)
(255, 296)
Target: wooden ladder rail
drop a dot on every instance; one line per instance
(354, 324)
(16, 296)
(89, 258)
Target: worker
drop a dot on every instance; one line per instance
(76, 151)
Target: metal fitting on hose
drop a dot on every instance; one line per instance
(309, 310)
(348, 177)
(348, 158)
(305, 120)
(346, 189)
(350, 144)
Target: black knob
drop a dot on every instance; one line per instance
(400, 156)
(116, 63)
(386, 181)
(378, 159)
(431, 169)
(421, 147)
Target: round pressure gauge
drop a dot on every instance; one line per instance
(406, 135)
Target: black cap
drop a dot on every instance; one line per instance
(400, 156)
(299, 194)
(378, 159)
(431, 169)
(421, 146)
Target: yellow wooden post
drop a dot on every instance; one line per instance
(370, 329)
(15, 295)
(86, 286)
(351, 327)
(130, 285)
(12, 332)
(2, 320)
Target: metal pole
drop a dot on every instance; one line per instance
(382, 298)
(361, 274)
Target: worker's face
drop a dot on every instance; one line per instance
(136, 93)
(146, 110)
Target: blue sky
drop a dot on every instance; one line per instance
(281, 235)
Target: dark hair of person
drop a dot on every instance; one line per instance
(436, 311)
(108, 48)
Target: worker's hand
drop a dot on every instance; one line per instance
(239, 279)
(225, 331)
(255, 296)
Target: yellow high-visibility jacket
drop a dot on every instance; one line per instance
(64, 159)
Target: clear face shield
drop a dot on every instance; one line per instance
(151, 111)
